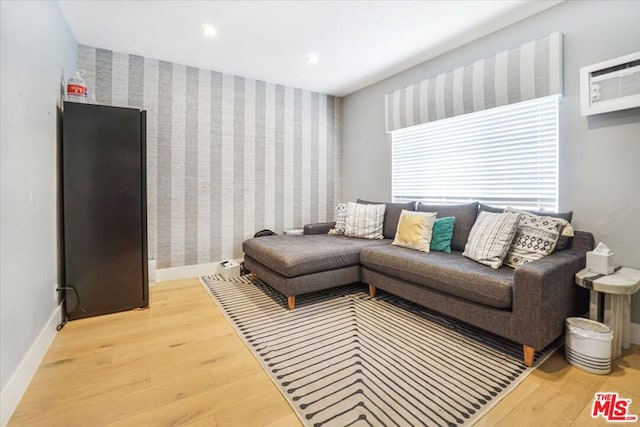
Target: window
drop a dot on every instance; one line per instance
(505, 156)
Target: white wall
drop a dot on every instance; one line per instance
(599, 155)
(37, 50)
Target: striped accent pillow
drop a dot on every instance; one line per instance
(491, 237)
(364, 221)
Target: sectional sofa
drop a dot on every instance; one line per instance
(527, 305)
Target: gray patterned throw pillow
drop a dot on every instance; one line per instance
(490, 238)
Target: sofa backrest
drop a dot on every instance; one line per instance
(391, 215)
(465, 218)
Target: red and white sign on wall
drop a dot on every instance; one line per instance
(612, 408)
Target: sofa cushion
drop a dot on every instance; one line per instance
(391, 215)
(465, 217)
(414, 230)
(451, 273)
(294, 256)
(563, 242)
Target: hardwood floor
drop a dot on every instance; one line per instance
(181, 363)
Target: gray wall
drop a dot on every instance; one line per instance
(227, 155)
(599, 155)
(37, 52)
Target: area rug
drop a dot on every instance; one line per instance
(342, 358)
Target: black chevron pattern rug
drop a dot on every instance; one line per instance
(342, 358)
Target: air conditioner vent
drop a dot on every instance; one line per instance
(610, 85)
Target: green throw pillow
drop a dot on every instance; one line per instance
(442, 234)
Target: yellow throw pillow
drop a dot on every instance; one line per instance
(414, 230)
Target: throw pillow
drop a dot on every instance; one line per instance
(391, 215)
(341, 219)
(536, 237)
(414, 230)
(491, 237)
(364, 221)
(442, 234)
(567, 233)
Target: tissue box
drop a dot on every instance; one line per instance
(229, 269)
(600, 263)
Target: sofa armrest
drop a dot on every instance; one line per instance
(582, 241)
(545, 294)
(318, 228)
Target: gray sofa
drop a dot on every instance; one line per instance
(527, 305)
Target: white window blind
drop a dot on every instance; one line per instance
(505, 156)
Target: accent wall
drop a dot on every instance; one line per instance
(227, 155)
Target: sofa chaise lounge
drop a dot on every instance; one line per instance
(527, 304)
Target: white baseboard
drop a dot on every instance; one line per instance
(19, 381)
(152, 271)
(635, 333)
(186, 271)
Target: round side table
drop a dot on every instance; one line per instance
(614, 308)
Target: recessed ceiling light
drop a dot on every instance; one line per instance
(209, 30)
(312, 58)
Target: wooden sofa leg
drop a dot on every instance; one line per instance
(529, 353)
(372, 291)
(252, 276)
(291, 300)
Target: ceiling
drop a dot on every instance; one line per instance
(357, 42)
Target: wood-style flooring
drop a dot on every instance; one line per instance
(181, 363)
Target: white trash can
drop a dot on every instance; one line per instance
(588, 345)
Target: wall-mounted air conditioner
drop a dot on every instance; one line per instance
(610, 85)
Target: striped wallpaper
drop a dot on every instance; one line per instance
(532, 70)
(227, 155)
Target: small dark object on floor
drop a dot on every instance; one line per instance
(243, 271)
(265, 232)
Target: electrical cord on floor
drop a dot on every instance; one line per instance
(66, 312)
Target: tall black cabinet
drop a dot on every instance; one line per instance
(103, 194)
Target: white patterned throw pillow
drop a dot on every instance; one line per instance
(491, 237)
(365, 221)
(536, 237)
(341, 219)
